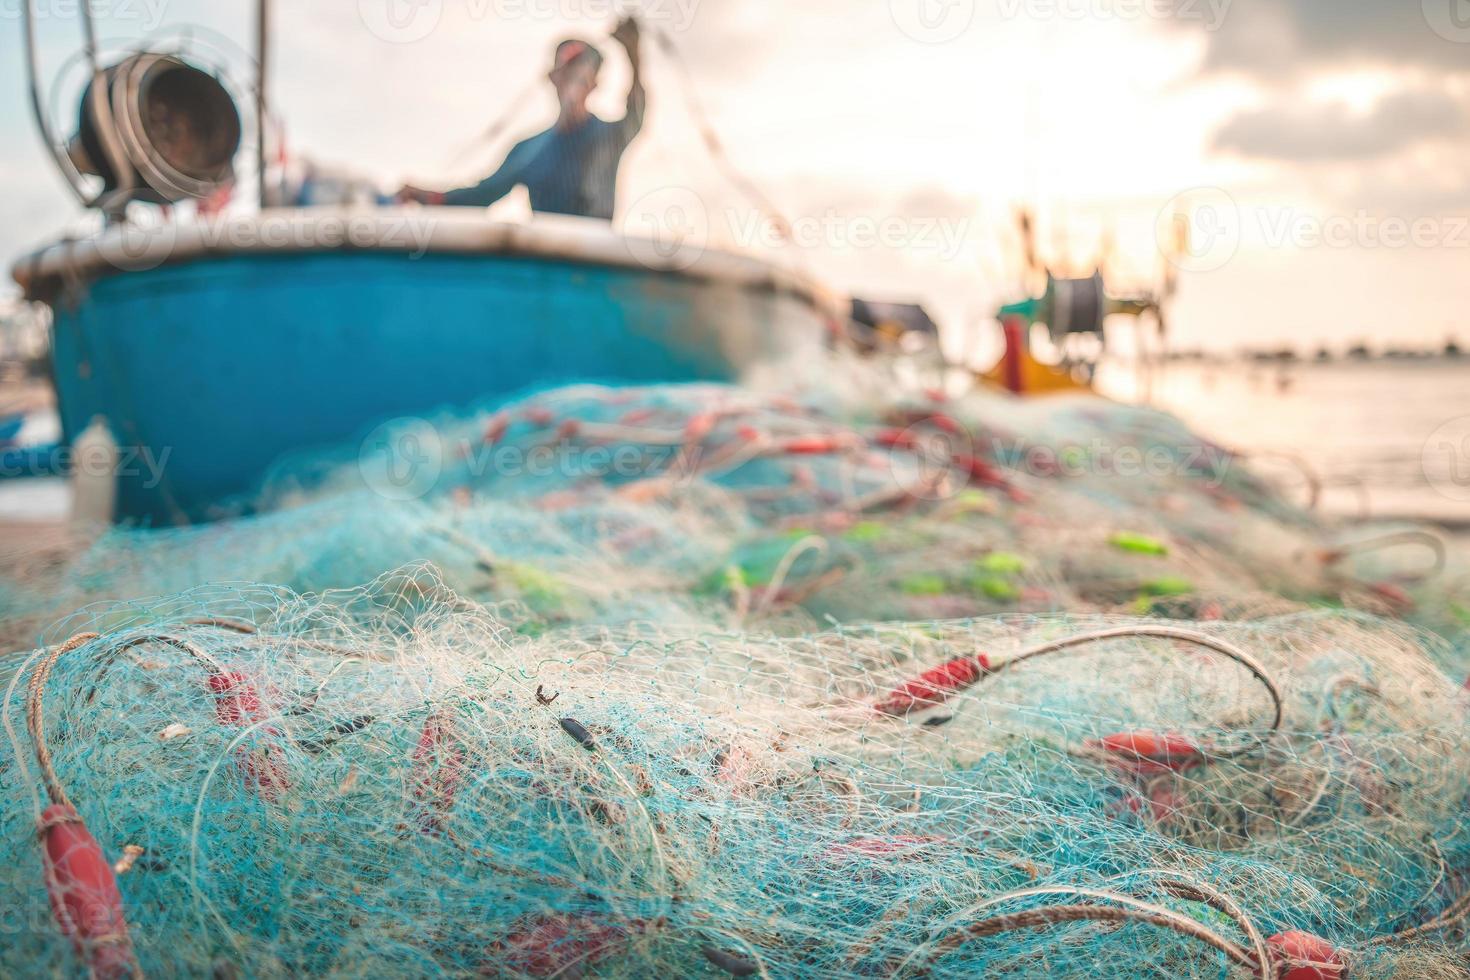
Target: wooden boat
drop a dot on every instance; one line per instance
(210, 349)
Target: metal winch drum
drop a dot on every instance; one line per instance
(175, 125)
(1075, 306)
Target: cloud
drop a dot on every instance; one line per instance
(1308, 134)
(1274, 39)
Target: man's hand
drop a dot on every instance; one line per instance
(628, 34)
(409, 194)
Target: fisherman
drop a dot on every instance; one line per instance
(571, 168)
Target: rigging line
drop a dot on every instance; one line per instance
(712, 142)
(497, 127)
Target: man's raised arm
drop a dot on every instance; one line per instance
(629, 36)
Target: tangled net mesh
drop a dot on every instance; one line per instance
(800, 691)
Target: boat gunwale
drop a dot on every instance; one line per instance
(53, 270)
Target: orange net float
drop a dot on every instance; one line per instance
(81, 885)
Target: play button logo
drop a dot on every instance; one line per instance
(1450, 19)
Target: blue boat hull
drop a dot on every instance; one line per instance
(209, 370)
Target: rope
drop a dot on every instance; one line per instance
(36, 722)
(499, 125)
(1309, 473)
(1256, 668)
(711, 139)
(1127, 908)
(810, 543)
(1456, 912)
(1198, 891)
(1379, 542)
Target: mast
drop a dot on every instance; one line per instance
(28, 22)
(262, 61)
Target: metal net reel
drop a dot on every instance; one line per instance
(176, 124)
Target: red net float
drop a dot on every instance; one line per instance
(981, 472)
(1396, 596)
(1297, 955)
(636, 416)
(946, 423)
(816, 445)
(438, 768)
(935, 686)
(238, 704)
(557, 944)
(900, 848)
(1148, 753)
(1159, 802)
(83, 893)
(699, 426)
(735, 768)
(1164, 802)
(895, 439)
(495, 429)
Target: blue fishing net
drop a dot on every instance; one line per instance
(697, 680)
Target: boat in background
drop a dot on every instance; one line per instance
(210, 349)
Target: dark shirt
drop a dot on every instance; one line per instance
(572, 171)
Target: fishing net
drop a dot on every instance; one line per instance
(698, 680)
(395, 780)
(715, 504)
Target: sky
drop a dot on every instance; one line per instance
(1320, 149)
